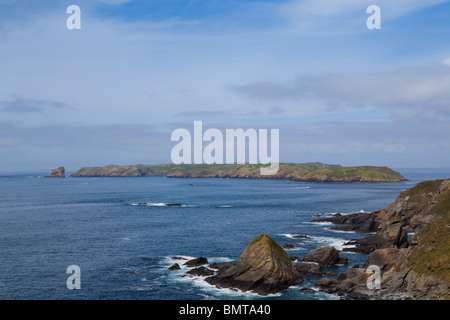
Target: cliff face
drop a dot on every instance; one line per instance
(57, 173)
(306, 172)
(417, 268)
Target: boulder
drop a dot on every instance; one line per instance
(324, 256)
(175, 266)
(263, 267)
(196, 262)
(310, 269)
(200, 271)
(221, 266)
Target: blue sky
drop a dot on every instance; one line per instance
(114, 91)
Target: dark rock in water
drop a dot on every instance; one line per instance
(390, 235)
(324, 256)
(201, 271)
(264, 267)
(288, 246)
(358, 222)
(57, 173)
(173, 205)
(307, 290)
(175, 266)
(196, 262)
(221, 266)
(331, 274)
(325, 282)
(310, 269)
(301, 237)
(179, 258)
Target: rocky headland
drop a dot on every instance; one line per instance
(415, 268)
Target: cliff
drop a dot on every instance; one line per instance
(305, 172)
(418, 268)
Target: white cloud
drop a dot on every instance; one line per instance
(408, 92)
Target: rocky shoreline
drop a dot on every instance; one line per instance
(414, 268)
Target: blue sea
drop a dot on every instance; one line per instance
(123, 249)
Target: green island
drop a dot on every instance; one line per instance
(300, 172)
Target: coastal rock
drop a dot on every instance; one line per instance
(361, 222)
(200, 271)
(324, 256)
(301, 237)
(175, 266)
(221, 266)
(263, 267)
(196, 262)
(418, 269)
(310, 269)
(57, 173)
(325, 282)
(390, 234)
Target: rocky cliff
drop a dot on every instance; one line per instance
(418, 268)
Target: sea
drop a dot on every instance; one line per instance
(122, 236)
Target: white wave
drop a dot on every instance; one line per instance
(157, 204)
(227, 206)
(200, 282)
(338, 243)
(126, 239)
(295, 236)
(341, 231)
(322, 223)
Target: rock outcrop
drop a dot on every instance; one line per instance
(264, 267)
(57, 173)
(196, 262)
(390, 234)
(324, 257)
(417, 269)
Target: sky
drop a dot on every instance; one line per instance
(113, 91)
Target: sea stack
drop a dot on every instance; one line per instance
(264, 268)
(57, 173)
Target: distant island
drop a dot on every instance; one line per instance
(299, 172)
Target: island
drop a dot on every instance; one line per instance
(299, 172)
(57, 173)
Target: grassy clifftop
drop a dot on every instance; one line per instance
(308, 172)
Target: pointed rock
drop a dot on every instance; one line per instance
(264, 267)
